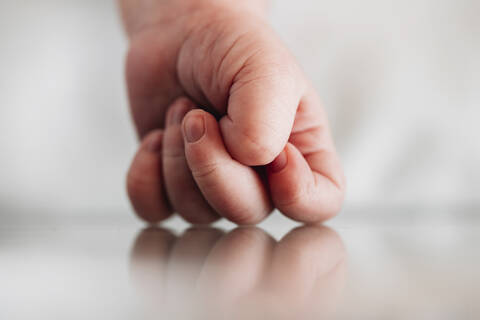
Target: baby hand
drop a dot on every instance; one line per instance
(271, 145)
(186, 168)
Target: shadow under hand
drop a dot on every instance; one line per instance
(243, 273)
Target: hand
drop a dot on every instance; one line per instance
(230, 62)
(244, 273)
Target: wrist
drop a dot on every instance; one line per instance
(139, 15)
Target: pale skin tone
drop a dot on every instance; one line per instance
(229, 124)
(242, 273)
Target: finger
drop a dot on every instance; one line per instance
(300, 193)
(306, 180)
(148, 264)
(186, 262)
(144, 180)
(236, 265)
(183, 193)
(240, 68)
(263, 100)
(232, 189)
(307, 259)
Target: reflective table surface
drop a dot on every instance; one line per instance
(362, 265)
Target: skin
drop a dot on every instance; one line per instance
(230, 126)
(243, 273)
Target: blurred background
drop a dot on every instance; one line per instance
(399, 79)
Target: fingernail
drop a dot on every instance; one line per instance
(194, 128)
(279, 163)
(176, 114)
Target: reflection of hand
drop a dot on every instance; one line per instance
(244, 272)
(225, 57)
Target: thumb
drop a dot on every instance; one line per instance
(262, 103)
(239, 63)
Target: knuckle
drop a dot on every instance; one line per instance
(207, 170)
(173, 153)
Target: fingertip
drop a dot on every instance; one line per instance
(300, 193)
(183, 193)
(254, 146)
(234, 190)
(288, 176)
(145, 180)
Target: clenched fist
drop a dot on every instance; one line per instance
(229, 124)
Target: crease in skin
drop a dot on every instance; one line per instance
(197, 95)
(207, 42)
(246, 218)
(310, 129)
(227, 53)
(292, 198)
(337, 195)
(339, 185)
(305, 146)
(227, 43)
(174, 155)
(212, 171)
(207, 170)
(263, 150)
(183, 192)
(239, 213)
(267, 74)
(298, 196)
(230, 207)
(324, 145)
(240, 83)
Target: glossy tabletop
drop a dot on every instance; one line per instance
(416, 264)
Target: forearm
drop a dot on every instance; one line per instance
(140, 14)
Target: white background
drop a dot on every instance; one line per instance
(400, 81)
